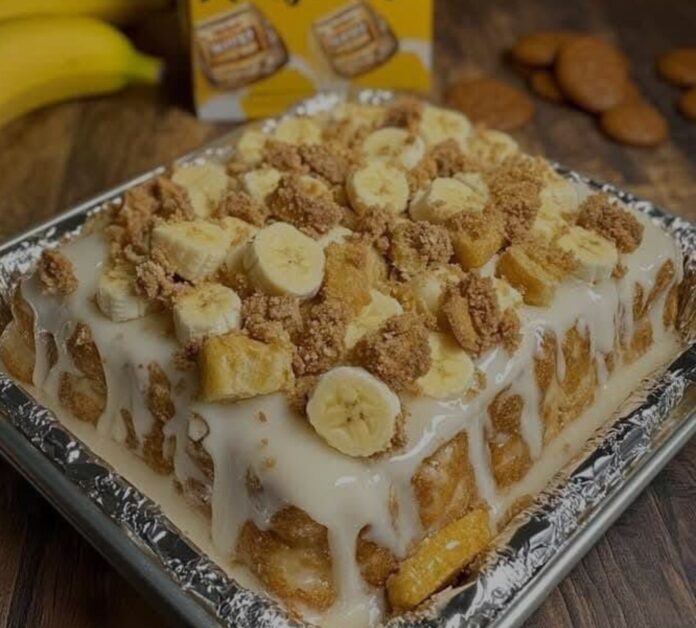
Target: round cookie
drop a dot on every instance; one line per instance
(543, 83)
(679, 66)
(491, 102)
(632, 94)
(687, 103)
(635, 124)
(539, 49)
(591, 73)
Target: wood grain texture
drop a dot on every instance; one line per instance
(643, 571)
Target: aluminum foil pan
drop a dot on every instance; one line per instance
(532, 555)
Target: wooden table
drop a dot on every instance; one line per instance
(641, 574)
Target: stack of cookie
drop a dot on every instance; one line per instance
(679, 68)
(590, 73)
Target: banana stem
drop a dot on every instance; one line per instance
(146, 69)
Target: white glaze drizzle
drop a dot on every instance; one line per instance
(342, 493)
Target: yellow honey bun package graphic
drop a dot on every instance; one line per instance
(254, 59)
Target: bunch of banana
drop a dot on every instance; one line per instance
(44, 60)
(116, 11)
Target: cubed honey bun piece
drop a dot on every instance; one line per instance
(280, 260)
(353, 411)
(234, 366)
(205, 184)
(116, 296)
(447, 196)
(395, 146)
(193, 248)
(209, 309)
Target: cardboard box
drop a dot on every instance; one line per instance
(254, 59)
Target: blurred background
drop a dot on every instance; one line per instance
(643, 572)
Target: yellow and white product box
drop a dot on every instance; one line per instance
(254, 59)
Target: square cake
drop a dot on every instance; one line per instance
(357, 345)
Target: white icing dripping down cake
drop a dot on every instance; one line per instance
(356, 348)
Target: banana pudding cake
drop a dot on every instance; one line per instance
(357, 346)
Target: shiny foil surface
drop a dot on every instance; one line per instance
(537, 536)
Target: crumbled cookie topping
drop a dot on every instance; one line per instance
(515, 188)
(284, 156)
(476, 224)
(319, 345)
(313, 214)
(405, 113)
(174, 201)
(299, 395)
(155, 283)
(240, 205)
(472, 311)
(450, 160)
(56, 273)
(398, 352)
(259, 309)
(417, 246)
(599, 214)
(330, 161)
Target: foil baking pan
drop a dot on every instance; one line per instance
(532, 555)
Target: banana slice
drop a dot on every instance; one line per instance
(452, 370)
(447, 196)
(379, 309)
(548, 222)
(250, 145)
(378, 185)
(438, 125)
(209, 309)
(205, 183)
(239, 233)
(116, 296)
(560, 195)
(491, 147)
(507, 295)
(337, 234)
(260, 183)
(597, 255)
(353, 411)
(282, 260)
(194, 248)
(358, 115)
(298, 131)
(394, 145)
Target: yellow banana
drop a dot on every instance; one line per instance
(45, 60)
(117, 11)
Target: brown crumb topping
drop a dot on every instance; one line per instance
(372, 223)
(330, 161)
(173, 200)
(472, 311)
(476, 224)
(240, 205)
(186, 358)
(56, 273)
(422, 174)
(599, 214)
(259, 309)
(155, 283)
(515, 188)
(449, 159)
(418, 246)
(398, 352)
(284, 156)
(319, 345)
(405, 113)
(312, 214)
(299, 395)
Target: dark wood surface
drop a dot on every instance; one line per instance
(641, 574)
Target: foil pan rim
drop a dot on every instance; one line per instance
(537, 534)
